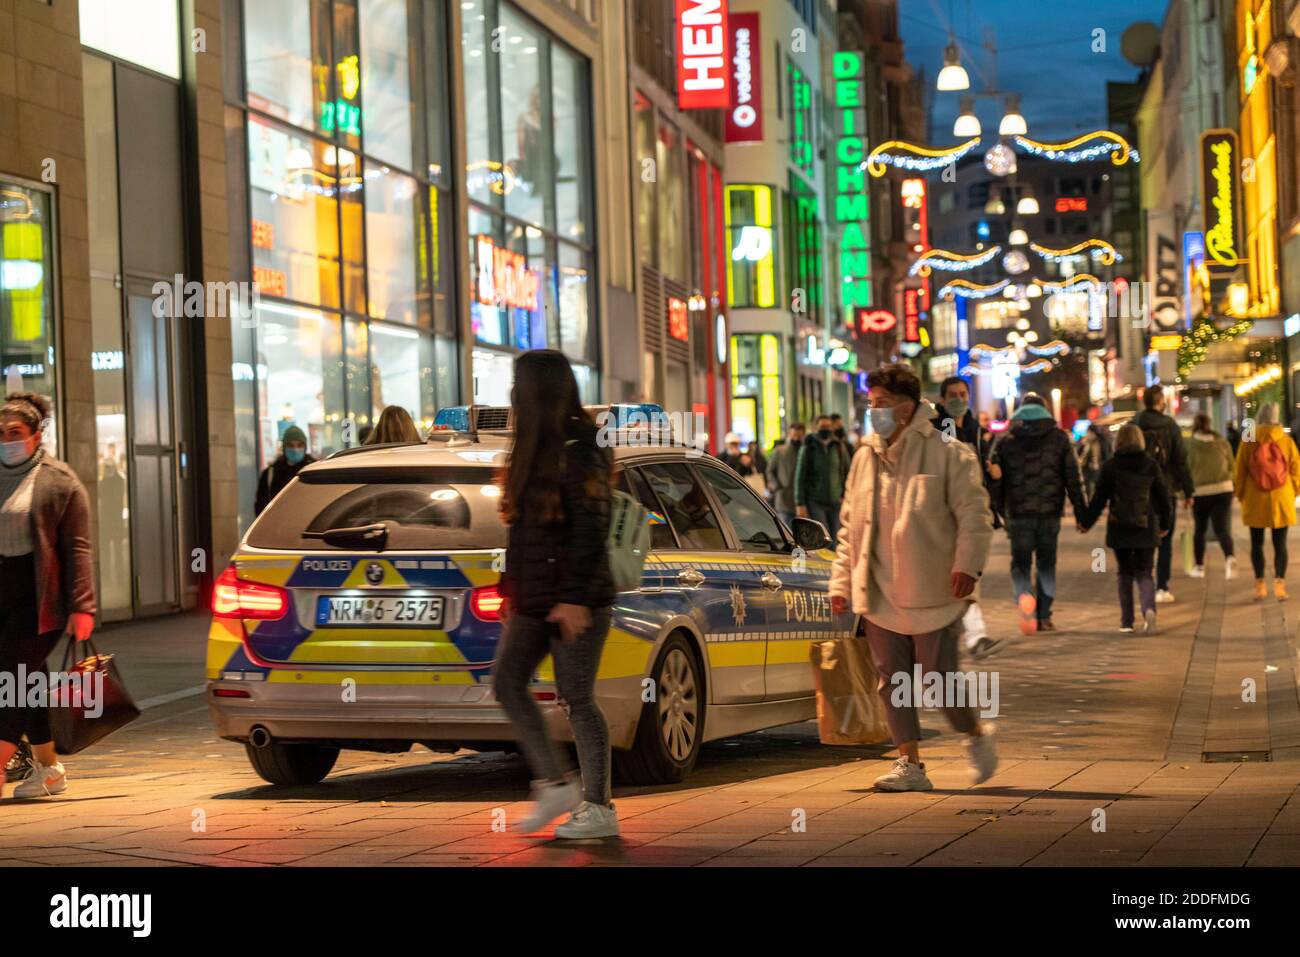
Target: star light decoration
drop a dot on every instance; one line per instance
(970, 290)
(949, 261)
(1015, 262)
(1073, 151)
(1098, 248)
(923, 159)
(1000, 160)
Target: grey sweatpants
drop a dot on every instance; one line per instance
(525, 642)
(893, 654)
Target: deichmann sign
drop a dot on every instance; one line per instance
(702, 55)
(1220, 160)
(745, 118)
(852, 209)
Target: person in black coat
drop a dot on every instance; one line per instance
(1132, 484)
(558, 590)
(292, 459)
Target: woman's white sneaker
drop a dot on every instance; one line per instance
(983, 754)
(1198, 571)
(589, 821)
(904, 776)
(552, 798)
(43, 781)
(1230, 568)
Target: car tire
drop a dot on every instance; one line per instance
(671, 727)
(292, 763)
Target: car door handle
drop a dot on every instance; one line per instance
(770, 581)
(690, 578)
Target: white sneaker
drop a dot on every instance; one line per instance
(1198, 571)
(1149, 621)
(1164, 597)
(1230, 568)
(904, 776)
(43, 781)
(589, 821)
(984, 647)
(983, 754)
(551, 800)
(1126, 629)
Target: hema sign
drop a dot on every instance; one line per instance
(702, 74)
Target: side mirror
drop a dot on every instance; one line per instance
(811, 535)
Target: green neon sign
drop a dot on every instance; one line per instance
(852, 205)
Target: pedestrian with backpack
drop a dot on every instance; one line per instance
(1164, 443)
(1266, 482)
(558, 590)
(1210, 458)
(1132, 485)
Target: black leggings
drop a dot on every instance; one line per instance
(20, 645)
(1216, 509)
(1279, 551)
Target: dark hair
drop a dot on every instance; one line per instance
(1202, 423)
(31, 408)
(825, 415)
(1151, 395)
(897, 379)
(835, 416)
(949, 382)
(1033, 398)
(796, 425)
(546, 406)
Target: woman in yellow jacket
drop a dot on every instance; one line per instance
(1266, 482)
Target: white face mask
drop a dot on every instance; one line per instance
(15, 453)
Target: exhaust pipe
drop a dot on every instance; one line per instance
(259, 737)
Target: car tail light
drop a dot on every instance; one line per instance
(544, 695)
(232, 597)
(486, 603)
(230, 693)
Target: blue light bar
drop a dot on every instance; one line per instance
(453, 417)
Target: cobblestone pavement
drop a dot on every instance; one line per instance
(1116, 749)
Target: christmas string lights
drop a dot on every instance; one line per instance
(950, 261)
(1073, 151)
(969, 290)
(893, 153)
(1100, 249)
(1203, 335)
(1069, 285)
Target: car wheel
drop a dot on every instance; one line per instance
(292, 763)
(671, 728)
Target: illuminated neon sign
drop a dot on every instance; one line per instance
(1072, 204)
(745, 118)
(504, 278)
(702, 78)
(852, 210)
(1219, 163)
(678, 325)
(875, 320)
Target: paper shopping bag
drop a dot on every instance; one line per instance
(849, 710)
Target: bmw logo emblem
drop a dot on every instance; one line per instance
(374, 573)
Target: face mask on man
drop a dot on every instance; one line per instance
(882, 421)
(823, 434)
(957, 407)
(839, 433)
(294, 455)
(14, 453)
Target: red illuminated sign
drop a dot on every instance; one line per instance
(911, 315)
(702, 75)
(745, 118)
(679, 326)
(1072, 204)
(913, 193)
(876, 320)
(504, 278)
(269, 281)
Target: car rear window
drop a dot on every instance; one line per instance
(423, 508)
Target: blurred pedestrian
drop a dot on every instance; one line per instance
(1034, 471)
(558, 590)
(956, 419)
(780, 471)
(892, 558)
(1164, 443)
(47, 578)
(1094, 451)
(1234, 436)
(748, 463)
(293, 458)
(1266, 482)
(1132, 485)
(819, 476)
(394, 426)
(1210, 459)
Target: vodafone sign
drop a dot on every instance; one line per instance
(745, 118)
(702, 75)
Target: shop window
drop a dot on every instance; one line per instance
(670, 169)
(398, 358)
(27, 282)
(526, 144)
(287, 60)
(571, 106)
(144, 32)
(300, 377)
(575, 339)
(643, 120)
(387, 118)
(751, 259)
(393, 245)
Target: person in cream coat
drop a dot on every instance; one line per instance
(915, 529)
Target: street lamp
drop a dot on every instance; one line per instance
(967, 124)
(995, 206)
(1018, 237)
(1013, 124)
(1028, 205)
(953, 76)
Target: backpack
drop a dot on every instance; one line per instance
(1268, 466)
(629, 540)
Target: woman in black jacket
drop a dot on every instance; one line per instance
(1141, 513)
(555, 500)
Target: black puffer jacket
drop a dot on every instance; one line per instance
(1127, 478)
(565, 562)
(1177, 473)
(1039, 470)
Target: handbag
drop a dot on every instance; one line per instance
(79, 719)
(1189, 551)
(849, 710)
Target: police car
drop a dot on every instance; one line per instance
(361, 609)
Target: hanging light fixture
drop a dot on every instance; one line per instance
(1013, 124)
(1028, 205)
(967, 124)
(1018, 237)
(953, 75)
(995, 206)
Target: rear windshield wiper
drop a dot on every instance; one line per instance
(373, 537)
